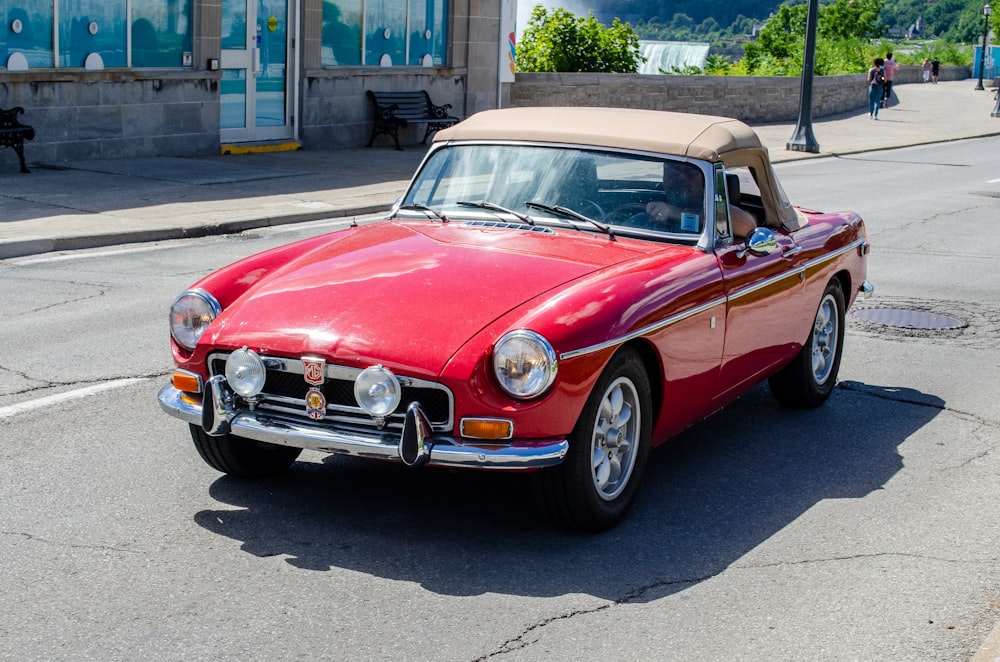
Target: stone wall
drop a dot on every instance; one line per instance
(751, 99)
(114, 114)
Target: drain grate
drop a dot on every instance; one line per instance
(907, 318)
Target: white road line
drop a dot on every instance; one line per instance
(85, 254)
(22, 407)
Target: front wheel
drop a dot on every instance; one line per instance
(244, 458)
(809, 379)
(595, 485)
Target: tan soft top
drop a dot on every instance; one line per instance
(704, 137)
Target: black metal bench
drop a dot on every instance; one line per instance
(13, 133)
(394, 110)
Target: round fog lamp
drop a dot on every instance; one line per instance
(245, 372)
(377, 391)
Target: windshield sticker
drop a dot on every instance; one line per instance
(690, 222)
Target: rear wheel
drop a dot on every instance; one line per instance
(241, 457)
(809, 379)
(595, 485)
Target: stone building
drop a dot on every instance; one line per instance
(121, 78)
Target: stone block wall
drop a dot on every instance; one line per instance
(105, 115)
(751, 99)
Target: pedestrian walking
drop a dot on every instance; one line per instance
(927, 69)
(890, 68)
(935, 70)
(876, 84)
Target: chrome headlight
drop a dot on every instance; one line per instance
(524, 364)
(190, 315)
(245, 372)
(378, 391)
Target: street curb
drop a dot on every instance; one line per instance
(28, 247)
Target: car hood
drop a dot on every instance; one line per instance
(407, 295)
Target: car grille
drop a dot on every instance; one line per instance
(285, 391)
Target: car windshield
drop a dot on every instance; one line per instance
(622, 190)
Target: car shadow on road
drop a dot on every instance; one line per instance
(710, 496)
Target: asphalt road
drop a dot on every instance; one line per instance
(865, 530)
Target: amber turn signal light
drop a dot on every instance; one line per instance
(492, 429)
(186, 382)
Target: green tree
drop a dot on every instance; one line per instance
(851, 19)
(560, 41)
(845, 29)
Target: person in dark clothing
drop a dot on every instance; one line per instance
(876, 83)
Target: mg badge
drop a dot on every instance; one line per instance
(315, 404)
(314, 370)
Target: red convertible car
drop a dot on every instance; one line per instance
(558, 291)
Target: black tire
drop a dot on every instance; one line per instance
(595, 485)
(810, 378)
(244, 458)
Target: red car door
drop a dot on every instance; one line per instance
(766, 316)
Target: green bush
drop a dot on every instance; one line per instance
(561, 41)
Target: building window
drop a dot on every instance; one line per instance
(92, 33)
(26, 34)
(95, 33)
(384, 32)
(161, 32)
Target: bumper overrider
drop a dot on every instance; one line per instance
(216, 411)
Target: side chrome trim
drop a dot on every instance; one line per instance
(652, 328)
(798, 272)
(419, 446)
(739, 294)
(831, 256)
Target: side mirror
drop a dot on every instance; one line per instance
(760, 242)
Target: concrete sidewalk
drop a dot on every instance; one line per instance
(87, 204)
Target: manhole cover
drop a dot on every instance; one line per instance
(911, 319)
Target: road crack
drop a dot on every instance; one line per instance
(39, 539)
(524, 640)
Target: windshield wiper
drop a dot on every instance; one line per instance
(571, 213)
(485, 204)
(434, 212)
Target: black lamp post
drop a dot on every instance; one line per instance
(803, 139)
(982, 54)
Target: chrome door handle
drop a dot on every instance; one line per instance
(791, 252)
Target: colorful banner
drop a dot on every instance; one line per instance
(508, 40)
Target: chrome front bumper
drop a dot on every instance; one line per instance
(416, 445)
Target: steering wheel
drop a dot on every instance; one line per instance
(628, 215)
(589, 208)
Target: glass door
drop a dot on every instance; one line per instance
(255, 99)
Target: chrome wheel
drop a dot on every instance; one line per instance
(615, 438)
(826, 332)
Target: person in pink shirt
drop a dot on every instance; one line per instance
(890, 67)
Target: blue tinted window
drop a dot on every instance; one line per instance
(161, 32)
(92, 29)
(399, 33)
(33, 41)
(427, 32)
(341, 32)
(385, 33)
